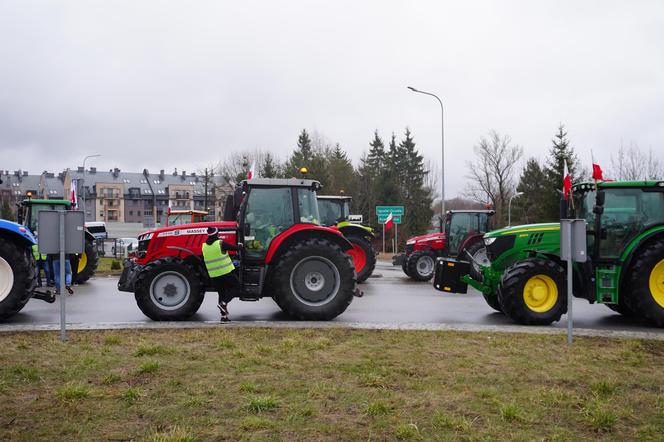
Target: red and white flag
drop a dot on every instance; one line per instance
(389, 222)
(73, 196)
(567, 181)
(252, 172)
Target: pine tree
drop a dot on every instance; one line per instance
(560, 151)
(532, 205)
(340, 171)
(302, 156)
(270, 168)
(244, 171)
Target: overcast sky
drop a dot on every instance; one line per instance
(164, 84)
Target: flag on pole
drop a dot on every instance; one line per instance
(73, 197)
(597, 173)
(252, 172)
(389, 222)
(567, 181)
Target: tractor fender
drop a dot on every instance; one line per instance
(652, 234)
(17, 232)
(470, 240)
(300, 232)
(357, 230)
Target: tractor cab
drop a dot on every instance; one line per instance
(179, 217)
(461, 226)
(28, 211)
(334, 209)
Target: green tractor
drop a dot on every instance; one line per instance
(526, 279)
(335, 213)
(28, 215)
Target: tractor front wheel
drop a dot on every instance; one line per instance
(314, 280)
(364, 258)
(477, 251)
(404, 266)
(532, 292)
(17, 278)
(421, 265)
(646, 279)
(169, 289)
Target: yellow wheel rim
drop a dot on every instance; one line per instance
(540, 293)
(657, 283)
(82, 262)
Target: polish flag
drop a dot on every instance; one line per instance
(567, 181)
(389, 222)
(597, 172)
(73, 197)
(252, 172)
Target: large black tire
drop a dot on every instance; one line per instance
(17, 277)
(87, 262)
(646, 281)
(169, 289)
(532, 292)
(314, 280)
(421, 265)
(404, 265)
(363, 252)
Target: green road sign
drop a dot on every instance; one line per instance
(384, 211)
(395, 218)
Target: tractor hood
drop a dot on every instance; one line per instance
(426, 238)
(526, 228)
(188, 229)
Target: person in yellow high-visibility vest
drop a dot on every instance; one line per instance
(40, 260)
(220, 267)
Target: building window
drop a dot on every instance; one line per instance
(131, 213)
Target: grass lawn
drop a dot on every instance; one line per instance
(284, 384)
(104, 266)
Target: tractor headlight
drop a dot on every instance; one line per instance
(411, 241)
(489, 241)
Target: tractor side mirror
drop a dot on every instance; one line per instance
(598, 209)
(247, 229)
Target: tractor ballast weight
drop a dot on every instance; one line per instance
(625, 269)
(286, 255)
(335, 213)
(462, 235)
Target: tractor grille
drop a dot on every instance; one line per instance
(535, 238)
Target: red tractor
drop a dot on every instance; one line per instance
(335, 213)
(463, 234)
(287, 256)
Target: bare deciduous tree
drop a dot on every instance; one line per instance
(492, 174)
(631, 163)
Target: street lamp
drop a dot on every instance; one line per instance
(83, 183)
(509, 208)
(442, 142)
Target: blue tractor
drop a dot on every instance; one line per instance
(17, 268)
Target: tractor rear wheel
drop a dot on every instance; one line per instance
(646, 279)
(493, 302)
(87, 263)
(169, 289)
(478, 252)
(421, 265)
(532, 292)
(314, 280)
(17, 278)
(364, 258)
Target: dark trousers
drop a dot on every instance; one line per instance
(228, 287)
(73, 260)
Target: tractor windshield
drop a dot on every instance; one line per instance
(268, 212)
(176, 219)
(34, 214)
(333, 211)
(462, 225)
(308, 206)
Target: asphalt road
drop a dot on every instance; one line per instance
(390, 298)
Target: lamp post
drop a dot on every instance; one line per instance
(85, 211)
(442, 142)
(509, 208)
